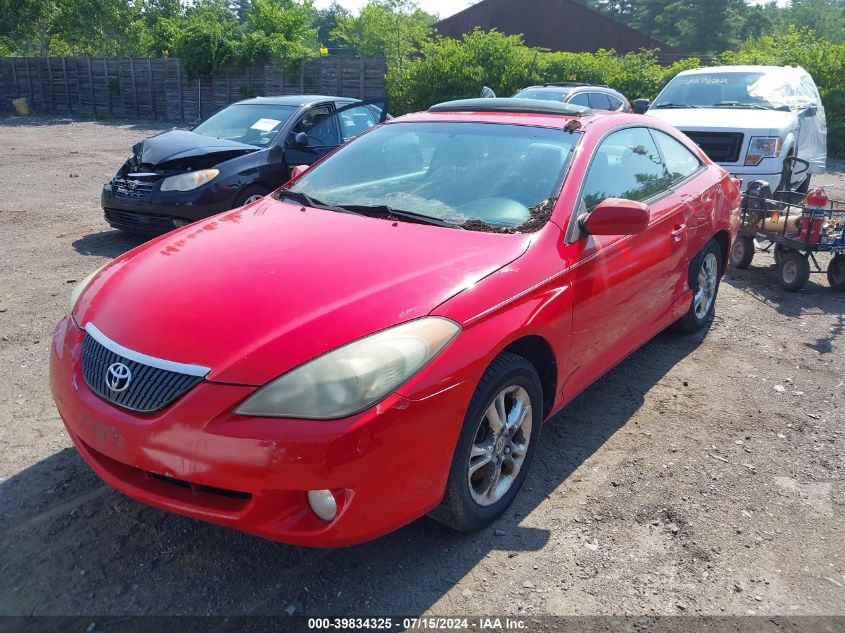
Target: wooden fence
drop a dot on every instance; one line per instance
(158, 89)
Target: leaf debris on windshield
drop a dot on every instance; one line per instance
(541, 213)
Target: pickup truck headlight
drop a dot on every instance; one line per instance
(762, 147)
(355, 376)
(189, 180)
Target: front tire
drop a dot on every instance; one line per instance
(497, 443)
(249, 194)
(705, 275)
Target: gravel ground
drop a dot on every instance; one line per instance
(703, 475)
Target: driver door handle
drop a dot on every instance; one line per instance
(678, 232)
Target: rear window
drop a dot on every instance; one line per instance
(544, 95)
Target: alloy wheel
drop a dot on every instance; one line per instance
(708, 279)
(500, 445)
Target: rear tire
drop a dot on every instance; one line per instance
(794, 271)
(705, 274)
(742, 252)
(489, 466)
(836, 272)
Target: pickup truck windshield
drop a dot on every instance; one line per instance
(479, 176)
(707, 90)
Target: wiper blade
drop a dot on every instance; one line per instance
(737, 104)
(386, 211)
(675, 105)
(304, 198)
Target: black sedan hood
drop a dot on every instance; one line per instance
(179, 145)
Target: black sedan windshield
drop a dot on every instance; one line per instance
(254, 124)
(481, 176)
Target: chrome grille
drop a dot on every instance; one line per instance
(132, 188)
(150, 388)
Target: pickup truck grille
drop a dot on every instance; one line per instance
(721, 147)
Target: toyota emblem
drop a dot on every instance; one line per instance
(118, 377)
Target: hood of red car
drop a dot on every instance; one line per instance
(257, 291)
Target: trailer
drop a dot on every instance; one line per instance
(797, 228)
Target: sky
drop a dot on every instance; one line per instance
(444, 8)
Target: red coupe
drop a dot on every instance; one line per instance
(384, 337)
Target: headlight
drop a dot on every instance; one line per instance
(82, 285)
(189, 180)
(762, 147)
(355, 376)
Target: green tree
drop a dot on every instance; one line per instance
(327, 20)
(825, 18)
(394, 29)
(278, 28)
(208, 37)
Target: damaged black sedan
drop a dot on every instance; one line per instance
(238, 155)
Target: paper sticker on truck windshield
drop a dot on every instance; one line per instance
(265, 125)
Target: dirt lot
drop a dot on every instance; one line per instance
(702, 475)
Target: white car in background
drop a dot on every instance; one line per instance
(752, 120)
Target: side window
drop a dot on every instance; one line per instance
(320, 127)
(680, 162)
(581, 99)
(599, 101)
(355, 121)
(625, 165)
(615, 104)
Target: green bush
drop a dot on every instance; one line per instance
(453, 69)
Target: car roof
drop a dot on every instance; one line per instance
(295, 100)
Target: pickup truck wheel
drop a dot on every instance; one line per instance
(836, 272)
(794, 271)
(742, 252)
(498, 440)
(705, 275)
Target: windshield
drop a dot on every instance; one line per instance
(480, 176)
(707, 90)
(545, 95)
(254, 124)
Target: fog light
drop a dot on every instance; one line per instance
(323, 504)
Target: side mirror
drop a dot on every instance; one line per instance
(615, 216)
(640, 106)
(297, 171)
(301, 138)
(811, 111)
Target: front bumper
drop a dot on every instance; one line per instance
(164, 211)
(386, 466)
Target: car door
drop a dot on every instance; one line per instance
(622, 285)
(326, 128)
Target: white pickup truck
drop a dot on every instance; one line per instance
(755, 121)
